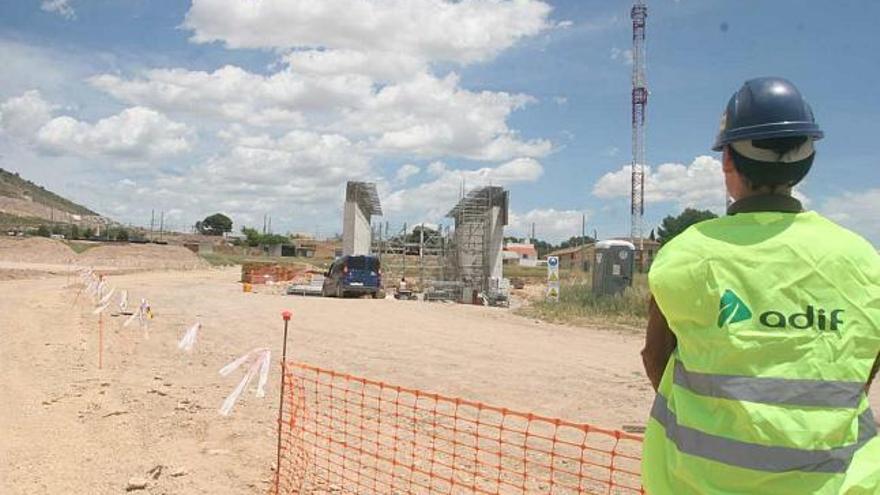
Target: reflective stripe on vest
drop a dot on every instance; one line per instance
(781, 391)
(756, 456)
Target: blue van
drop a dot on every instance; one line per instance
(353, 275)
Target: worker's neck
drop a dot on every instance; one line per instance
(761, 191)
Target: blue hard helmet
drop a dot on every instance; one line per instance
(764, 108)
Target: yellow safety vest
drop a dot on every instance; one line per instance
(777, 317)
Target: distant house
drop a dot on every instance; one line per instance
(648, 251)
(273, 250)
(575, 257)
(520, 253)
(582, 257)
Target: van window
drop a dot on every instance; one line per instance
(362, 263)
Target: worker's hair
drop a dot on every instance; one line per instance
(769, 174)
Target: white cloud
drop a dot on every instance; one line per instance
(235, 95)
(258, 173)
(611, 151)
(22, 116)
(436, 30)
(60, 7)
(379, 66)
(700, 184)
(58, 72)
(136, 132)
(433, 199)
(406, 171)
(431, 117)
(858, 211)
(625, 56)
(298, 179)
(423, 116)
(560, 100)
(550, 224)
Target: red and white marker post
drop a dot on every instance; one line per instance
(285, 315)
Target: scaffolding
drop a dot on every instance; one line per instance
(460, 264)
(420, 253)
(479, 220)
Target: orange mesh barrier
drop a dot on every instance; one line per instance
(347, 435)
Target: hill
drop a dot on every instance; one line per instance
(23, 202)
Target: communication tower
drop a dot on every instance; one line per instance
(638, 13)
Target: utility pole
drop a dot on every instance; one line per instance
(532, 239)
(405, 242)
(152, 221)
(421, 255)
(583, 229)
(161, 225)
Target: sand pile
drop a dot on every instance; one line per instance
(143, 256)
(35, 250)
(152, 256)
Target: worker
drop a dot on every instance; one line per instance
(764, 327)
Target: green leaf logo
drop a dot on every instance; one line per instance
(732, 309)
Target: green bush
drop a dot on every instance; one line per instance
(578, 304)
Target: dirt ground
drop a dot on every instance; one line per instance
(106, 256)
(68, 427)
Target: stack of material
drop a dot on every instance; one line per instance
(271, 273)
(311, 285)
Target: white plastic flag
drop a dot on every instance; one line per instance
(100, 309)
(130, 319)
(189, 338)
(123, 301)
(105, 301)
(92, 286)
(99, 289)
(142, 315)
(260, 360)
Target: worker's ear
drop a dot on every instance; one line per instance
(727, 165)
(734, 182)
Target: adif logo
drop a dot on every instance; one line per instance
(732, 309)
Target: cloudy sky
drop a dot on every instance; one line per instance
(254, 107)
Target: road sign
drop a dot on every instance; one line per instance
(553, 278)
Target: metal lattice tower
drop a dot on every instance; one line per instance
(639, 103)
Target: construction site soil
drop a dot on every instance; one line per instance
(151, 413)
(125, 256)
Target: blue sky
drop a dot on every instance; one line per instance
(204, 106)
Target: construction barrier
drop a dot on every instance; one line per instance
(347, 435)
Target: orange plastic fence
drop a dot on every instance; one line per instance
(347, 435)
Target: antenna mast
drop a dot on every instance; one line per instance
(639, 103)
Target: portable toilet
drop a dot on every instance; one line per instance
(613, 267)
